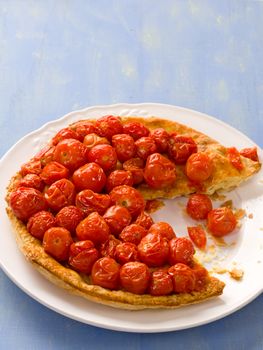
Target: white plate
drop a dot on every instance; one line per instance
(246, 253)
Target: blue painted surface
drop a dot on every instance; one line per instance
(58, 56)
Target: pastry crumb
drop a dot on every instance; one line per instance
(250, 216)
(237, 274)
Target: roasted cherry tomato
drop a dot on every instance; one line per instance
(161, 138)
(201, 276)
(89, 201)
(183, 278)
(26, 201)
(93, 228)
(164, 229)
(117, 217)
(92, 140)
(154, 250)
(135, 277)
(56, 242)
(161, 283)
(33, 181)
(181, 250)
(126, 252)
(108, 248)
(234, 158)
(69, 217)
(221, 221)
(199, 167)
(82, 256)
(250, 153)
(31, 167)
(144, 220)
(197, 235)
(103, 155)
(119, 178)
(135, 166)
(145, 146)
(129, 198)
(60, 194)
(63, 134)
(90, 176)
(108, 126)
(124, 146)
(159, 171)
(83, 128)
(198, 206)
(45, 155)
(136, 130)
(39, 223)
(133, 233)
(71, 153)
(105, 273)
(180, 148)
(54, 171)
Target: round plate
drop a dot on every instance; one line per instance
(243, 249)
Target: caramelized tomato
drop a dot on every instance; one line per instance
(83, 128)
(108, 126)
(221, 221)
(104, 155)
(124, 146)
(250, 153)
(201, 276)
(180, 148)
(198, 206)
(93, 228)
(56, 242)
(197, 235)
(89, 201)
(161, 283)
(105, 273)
(181, 250)
(31, 167)
(54, 171)
(136, 130)
(39, 223)
(119, 178)
(63, 134)
(108, 248)
(234, 158)
(133, 233)
(69, 217)
(135, 277)
(126, 252)
(117, 217)
(164, 229)
(154, 250)
(144, 220)
(183, 278)
(145, 146)
(33, 181)
(199, 167)
(60, 194)
(93, 140)
(135, 166)
(90, 176)
(82, 256)
(161, 138)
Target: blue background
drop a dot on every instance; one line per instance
(58, 56)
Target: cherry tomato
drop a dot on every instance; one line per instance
(54, 171)
(159, 171)
(108, 126)
(93, 228)
(144, 220)
(83, 128)
(26, 201)
(129, 198)
(64, 134)
(154, 250)
(118, 178)
(45, 155)
(221, 221)
(108, 248)
(199, 167)
(181, 250)
(183, 278)
(133, 233)
(60, 194)
(56, 242)
(90, 176)
(234, 158)
(161, 138)
(180, 148)
(33, 181)
(92, 140)
(69, 217)
(198, 206)
(124, 146)
(197, 236)
(105, 273)
(145, 146)
(103, 155)
(82, 256)
(164, 229)
(126, 252)
(31, 167)
(201, 276)
(117, 217)
(250, 153)
(136, 130)
(135, 277)
(71, 153)
(161, 283)
(135, 166)
(39, 223)
(89, 201)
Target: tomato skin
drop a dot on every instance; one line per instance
(26, 201)
(119, 178)
(161, 283)
(135, 277)
(201, 276)
(83, 128)
(54, 171)
(45, 155)
(126, 252)
(181, 250)
(31, 167)
(135, 166)
(183, 278)
(92, 140)
(199, 167)
(144, 220)
(164, 229)
(136, 130)
(159, 171)
(103, 155)
(124, 146)
(133, 233)
(198, 206)
(33, 181)
(109, 125)
(93, 228)
(60, 194)
(105, 273)
(250, 153)
(221, 221)
(90, 176)
(117, 217)
(180, 148)
(161, 138)
(39, 223)
(89, 201)
(82, 256)
(108, 248)
(197, 236)
(145, 146)
(63, 134)
(234, 158)
(153, 250)
(56, 242)
(69, 217)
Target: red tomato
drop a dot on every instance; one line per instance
(164, 229)
(129, 198)
(39, 223)
(119, 178)
(221, 221)
(183, 278)
(145, 146)
(126, 252)
(26, 201)
(90, 176)
(89, 201)
(197, 236)
(69, 217)
(135, 277)
(180, 148)
(133, 233)
(82, 256)
(161, 283)
(92, 140)
(199, 167)
(54, 171)
(117, 217)
(33, 181)
(60, 194)
(201, 276)
(71, 153)
(45, 155)
(159, 171)
(135, 166)
(104, 155)
(144, 220)
(250, 153)
(136, 130)
(234, 158)
(56, 242)
(124, 146)
(83, 128)
(105, 273)
(161, 138)
(108, 126)
(198, 206)
(64, 134)
(32, 167)
(93, 228)
(153, 250)
(108, 248)
(181, 250)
